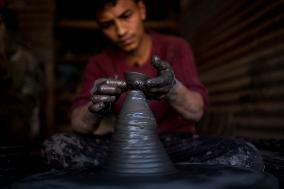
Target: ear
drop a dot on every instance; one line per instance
(142, 8)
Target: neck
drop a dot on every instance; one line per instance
(142, 53)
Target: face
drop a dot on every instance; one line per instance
(123, 23)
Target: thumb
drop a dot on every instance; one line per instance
(159, 64)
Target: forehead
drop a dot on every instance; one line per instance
(114, 10)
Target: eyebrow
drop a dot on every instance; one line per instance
(124, 13)
(119, 16)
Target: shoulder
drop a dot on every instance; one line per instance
(165, 40)
(170, 48)
(99, 59)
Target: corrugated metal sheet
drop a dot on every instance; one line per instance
(240, 53)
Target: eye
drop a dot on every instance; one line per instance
(106, 25)
(126, 15)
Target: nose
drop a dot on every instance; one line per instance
(120, 29)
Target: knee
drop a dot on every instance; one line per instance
(56, 144)
(256, 157)
(249, 155)
(55, 149)
(53, 142)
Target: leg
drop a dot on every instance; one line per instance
(195, 149)
(75, 151)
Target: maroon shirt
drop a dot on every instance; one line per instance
(172, 49)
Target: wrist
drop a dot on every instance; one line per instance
(171, 95)
(90, 114)
(82, 121)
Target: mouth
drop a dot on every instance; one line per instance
(127, 41)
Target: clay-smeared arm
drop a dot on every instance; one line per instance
(187, 102)
(83, 121)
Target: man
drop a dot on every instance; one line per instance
(20, 83)
(176, 96)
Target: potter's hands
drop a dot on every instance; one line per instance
(159, 87)
(104, 92)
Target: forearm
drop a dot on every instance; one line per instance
(187, 102)
(83, 121)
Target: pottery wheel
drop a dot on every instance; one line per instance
(191, 176)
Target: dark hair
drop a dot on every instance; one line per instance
(100, 4)
(9, 18)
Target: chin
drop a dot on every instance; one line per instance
(129, 49)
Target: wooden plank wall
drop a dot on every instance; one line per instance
(36, 25)
(240, 55)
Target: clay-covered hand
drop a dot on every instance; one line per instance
(104, 92)
(159, 87)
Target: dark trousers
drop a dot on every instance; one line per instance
(71, 150)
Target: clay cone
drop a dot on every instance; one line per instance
(136, 148)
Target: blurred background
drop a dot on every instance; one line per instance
(238, 47)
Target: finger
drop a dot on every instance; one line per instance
(103, 98)
(100, 80)
(156, 82)
(159, 64)
(95, 108)
(97, 83)
(108, 90)
(116, 83)
(162, 90)
(154, 96)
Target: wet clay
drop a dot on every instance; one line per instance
(136, 148)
